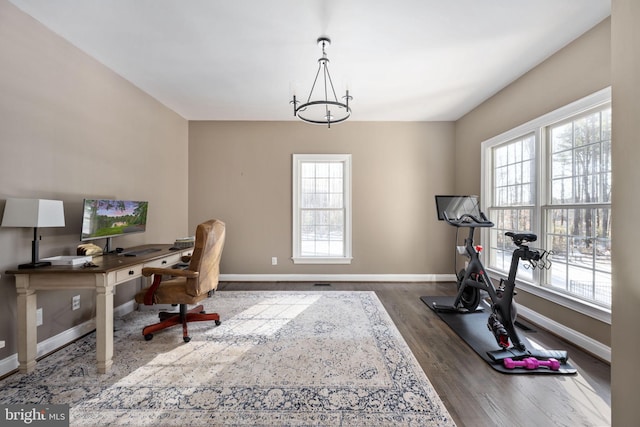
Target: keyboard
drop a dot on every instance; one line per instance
(140, 252)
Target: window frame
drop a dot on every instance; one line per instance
(538, 127)
(297, 161)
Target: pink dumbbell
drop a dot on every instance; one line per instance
(531, 363)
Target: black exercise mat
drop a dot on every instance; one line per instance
(472, 328)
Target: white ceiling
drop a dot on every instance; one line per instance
(416, 60)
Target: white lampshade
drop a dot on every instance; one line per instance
(33, 213)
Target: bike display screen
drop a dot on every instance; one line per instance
(456, 206)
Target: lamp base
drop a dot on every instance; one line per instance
(34, 265)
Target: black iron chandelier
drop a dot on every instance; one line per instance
(325, 108)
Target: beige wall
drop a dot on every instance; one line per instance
(70, 128)
(240, 172)
(580, 69)
(625, 375)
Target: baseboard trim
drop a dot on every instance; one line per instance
(125, 308)
(586, 343)
(337, 278)
(10, 363)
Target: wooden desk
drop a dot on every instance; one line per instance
(111, 271)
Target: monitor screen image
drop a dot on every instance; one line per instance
(456, 206)
(108, 218)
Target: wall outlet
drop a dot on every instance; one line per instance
(2, 344)
(39, 317)
(75, 302)
(274, 260)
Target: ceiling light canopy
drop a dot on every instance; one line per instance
(325, 108)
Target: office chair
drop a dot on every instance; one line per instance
(188, 286)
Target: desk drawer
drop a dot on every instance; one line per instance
(166, 262)
(128, 273)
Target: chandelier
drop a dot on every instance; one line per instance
(325, 108)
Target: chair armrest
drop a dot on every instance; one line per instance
(149, 271)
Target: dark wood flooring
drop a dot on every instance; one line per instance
(474, 393)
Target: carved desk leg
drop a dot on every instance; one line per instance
(104, 324)
(27, 329)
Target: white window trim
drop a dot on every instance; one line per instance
(536, 126)
(298, 159)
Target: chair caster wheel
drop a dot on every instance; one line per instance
(186, 339)
(218, 323)
(148, 337)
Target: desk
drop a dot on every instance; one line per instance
(111, 271)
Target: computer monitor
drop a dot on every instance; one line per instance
(105, 219)
(456, 206)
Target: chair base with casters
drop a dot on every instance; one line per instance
(169, 319)
(186, 287)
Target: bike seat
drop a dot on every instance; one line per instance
(520, 238)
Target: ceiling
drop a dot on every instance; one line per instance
(402, 60)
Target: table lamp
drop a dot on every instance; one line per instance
(33, 213)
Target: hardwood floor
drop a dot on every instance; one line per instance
(474, 393)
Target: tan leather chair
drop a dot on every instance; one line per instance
(189, 286)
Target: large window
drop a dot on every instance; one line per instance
(578, 213)
(552, 176)
(322, 208)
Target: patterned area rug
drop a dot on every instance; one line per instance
(279, 358)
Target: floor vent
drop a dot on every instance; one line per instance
(322, 284)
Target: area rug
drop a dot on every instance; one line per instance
(278, 358)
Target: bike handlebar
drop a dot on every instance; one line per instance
(468, 220)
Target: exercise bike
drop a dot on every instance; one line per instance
(473, 281)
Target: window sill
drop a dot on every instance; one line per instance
(320, 260)
(565, 300)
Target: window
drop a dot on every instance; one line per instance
(513, 195)
(552, 176)
(578, 211)
(322, 208)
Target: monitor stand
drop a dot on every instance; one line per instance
(107, 248)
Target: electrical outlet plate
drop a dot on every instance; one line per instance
(39, 317)
(75, 302)
(274, 260)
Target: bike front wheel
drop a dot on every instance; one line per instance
(470, 298)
